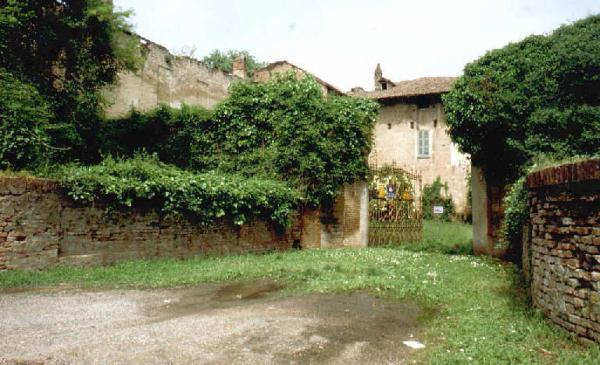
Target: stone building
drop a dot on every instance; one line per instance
(166, 79)
(411, 131)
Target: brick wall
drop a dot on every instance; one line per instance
(40, 227)
(564, 205)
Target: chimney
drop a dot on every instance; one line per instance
(239, 66)
(377, 77)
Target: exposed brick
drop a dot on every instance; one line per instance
(565, 245)
(42, 229)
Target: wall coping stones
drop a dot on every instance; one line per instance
(565, 174)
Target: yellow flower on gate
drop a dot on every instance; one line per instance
(381, 191)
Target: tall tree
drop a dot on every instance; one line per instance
(69, 50)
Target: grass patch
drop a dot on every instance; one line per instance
(444, 237)
(480, 317)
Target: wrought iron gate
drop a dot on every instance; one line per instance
(395, 214)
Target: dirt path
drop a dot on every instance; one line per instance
(209, 324)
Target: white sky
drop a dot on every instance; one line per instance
(342, 41)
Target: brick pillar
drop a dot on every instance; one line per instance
(239, 66)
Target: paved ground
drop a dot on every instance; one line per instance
(211, 324)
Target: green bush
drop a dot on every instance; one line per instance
(540, 95)
(24, 116)
(436, 194)
(168, 132)
(70, 50)
(516, 215)
(288, 129)
(204, 198)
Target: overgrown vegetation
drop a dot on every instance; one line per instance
(285, 133)
(204, 198)
(169, 133)
(479, 317)
(436, 194)
(66, 51)
(24, 117)
(283, 138)
(223, 60)
(516, 215)
(284, 129)
(540, 95)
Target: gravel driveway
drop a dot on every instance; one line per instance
(210, 324)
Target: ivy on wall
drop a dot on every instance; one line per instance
(285, 130)
(264, 150)
(204, 198)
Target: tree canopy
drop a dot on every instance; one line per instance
(68, 51)
(537, 96)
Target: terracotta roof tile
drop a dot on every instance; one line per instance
(407, 88)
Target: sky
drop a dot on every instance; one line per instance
(341, 41)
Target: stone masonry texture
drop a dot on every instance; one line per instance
(564, 204)
(41, 227)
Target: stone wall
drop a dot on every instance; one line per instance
(564, 205)
(395, 140)
(166, 79)
(40, 228)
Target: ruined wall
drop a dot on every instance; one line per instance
(282, 67)
(395, 139)
(40, 227)
(564, 205)
(166, 79)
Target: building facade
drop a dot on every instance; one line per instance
(411, 131)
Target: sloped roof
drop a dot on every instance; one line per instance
(408, 88)
(272, 65)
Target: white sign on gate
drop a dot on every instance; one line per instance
(438, 209)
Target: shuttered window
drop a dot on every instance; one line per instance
(423, 144)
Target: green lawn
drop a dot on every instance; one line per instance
(477, 314)
(445, 237)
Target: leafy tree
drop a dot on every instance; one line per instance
(540, 95)
(24, 116)
(288, 129)
(69, 50)
(224, 61)
(165, 131)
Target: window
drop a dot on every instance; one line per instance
(384, 85)
(424, 143)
